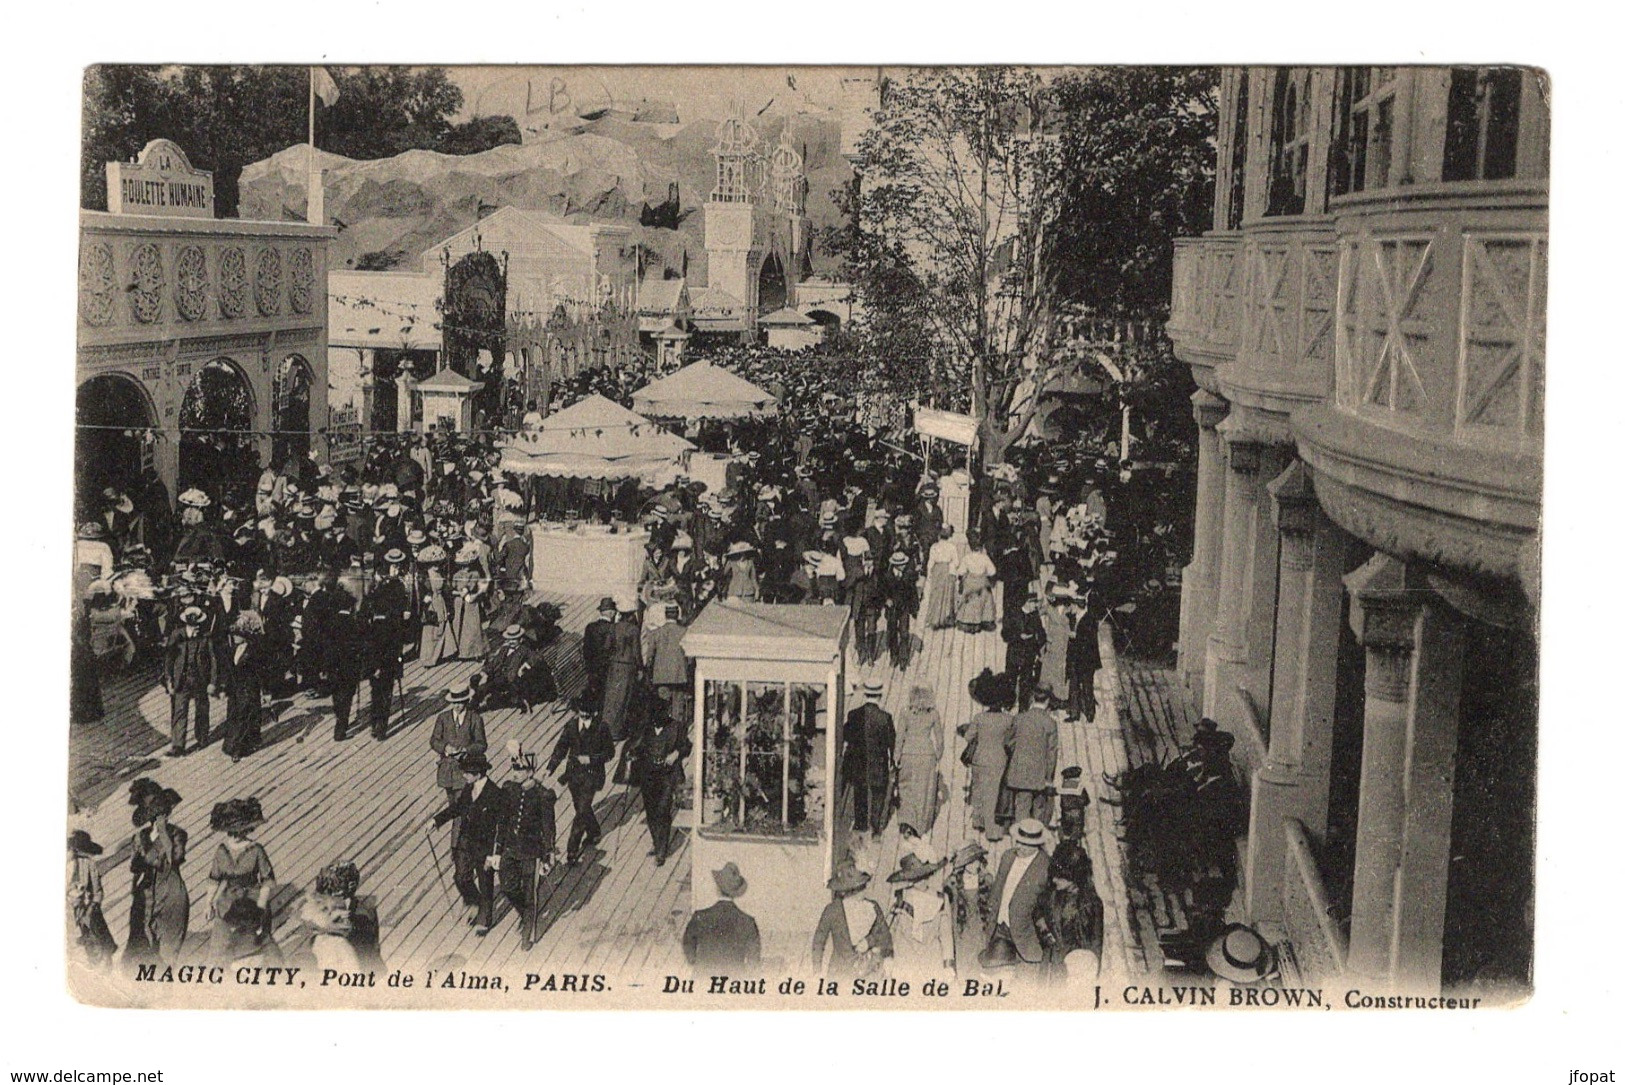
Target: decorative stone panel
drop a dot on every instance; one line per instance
(191, 283)
(268, 281)
(233, 282)
(97, 281)
(146, 284)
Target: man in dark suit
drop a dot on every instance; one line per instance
(1023, 874)
(722, 938)
(527, 839)
(457, 730)
(659, 775)
(1023, 646)
(870, 739)
(481, 809)
(192, 674)
(348, 659)
(583, 749)
(386, 615)
(595, 652)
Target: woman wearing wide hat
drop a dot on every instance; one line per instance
(247, 666)
(974, 607)
(852, 926)
(941, 587)
(434, 606)
(160, 907)
(738, 579)
(921, 923)
(92, 936)
(466, 630)
(241, 869)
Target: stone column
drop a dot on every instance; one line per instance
(1259, 595)
(1199, 594)
(1227, 644)
(1407, 774)
(1294, 779)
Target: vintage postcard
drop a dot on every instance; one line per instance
(807, 538)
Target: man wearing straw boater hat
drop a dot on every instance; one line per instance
(1023, 874)
(527, 840)
(480, 807)
(457, 730)
(723, 937)
(867, 763)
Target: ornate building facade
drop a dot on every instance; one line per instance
(756, 229)
(1366, 325)
(202, 342)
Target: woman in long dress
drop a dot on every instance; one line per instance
(244, 681)
(467, 624)
(434, 606)
(241, 869)
(919, 755)
(989, 734)
(940, 583)
(921, 923)
(976, 573)
(160, 908)
(1057, 629)
(625, 659)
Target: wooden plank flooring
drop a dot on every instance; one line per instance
(614, 912)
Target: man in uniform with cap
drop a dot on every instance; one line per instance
(526, 842)
(723, 938)
(191, 674)
(585, 746)
(481, 808)
(386, 613)
(595, 652)
(867, 764)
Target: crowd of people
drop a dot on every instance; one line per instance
(321, 580)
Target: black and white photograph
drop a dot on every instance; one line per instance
(892, 537)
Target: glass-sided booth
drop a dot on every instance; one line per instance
(769, 682)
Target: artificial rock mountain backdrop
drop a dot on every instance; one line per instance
(390, 210)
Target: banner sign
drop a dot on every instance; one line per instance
(948, 425)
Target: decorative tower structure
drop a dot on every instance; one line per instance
(755, 220)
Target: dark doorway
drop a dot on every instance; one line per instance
(216, 445)
(110, 447)
(771, 289)
(291, 413)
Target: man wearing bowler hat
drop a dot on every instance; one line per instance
(191, 672)
(481, 808)
(723, 937)
(595, 652)
(585, 746)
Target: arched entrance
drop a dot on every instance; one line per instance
(110, 445)
(771, 289)
(826, 320)
(290, 412)
(217, 451)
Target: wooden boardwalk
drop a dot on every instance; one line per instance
(614, 912)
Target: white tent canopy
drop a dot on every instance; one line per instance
(596, 438)
(703, 390)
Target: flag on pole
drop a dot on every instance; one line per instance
(322, 85)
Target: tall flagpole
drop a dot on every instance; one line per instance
(314, 211)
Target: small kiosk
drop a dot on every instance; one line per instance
(448, 401)
(769, 690)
